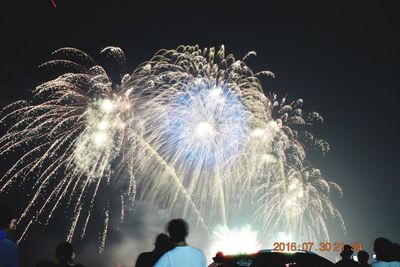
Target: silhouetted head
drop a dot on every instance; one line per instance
(362, 256)
(65, 252)
(384, 249)
(178, 230)
(45, 263)
(347, 252)
(6, 218)
(163, 243)
(396, 252)
(218, 257)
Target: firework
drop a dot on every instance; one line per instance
(190, 130)
(71, 133)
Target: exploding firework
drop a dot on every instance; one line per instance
(190, 130)
(71, 134)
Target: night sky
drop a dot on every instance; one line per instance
(340, 57)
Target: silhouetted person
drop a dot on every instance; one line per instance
(45, 263)
(346, 260)
(182, 255)
(397, 251)
(386, 253)
(162, 245)
(363, 257)
(65, 255)
(9, 251)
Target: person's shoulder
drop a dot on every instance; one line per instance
(199, 252)
(145, 254)
(8, 243)
(45, 263)
(346, 263)
(353, 263)
(163, 260)
(196, 249)
(339, 263)
(386, 264)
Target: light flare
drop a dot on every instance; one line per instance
(234, 241)
(204, 130)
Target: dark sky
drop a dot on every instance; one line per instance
(341, 57)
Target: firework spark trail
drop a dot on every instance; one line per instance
(25, 231)
(85, 225)
(91, 205)
(75, 221)
(64, 192)
(190, 130)
(122, 208)
(104, 235)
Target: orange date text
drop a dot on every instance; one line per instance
(315, 246)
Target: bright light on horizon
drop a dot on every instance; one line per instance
(234, 241)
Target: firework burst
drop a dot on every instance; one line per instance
(190, 130)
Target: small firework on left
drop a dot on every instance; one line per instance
(190, 131)
(71, 133)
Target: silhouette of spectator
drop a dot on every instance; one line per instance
(182, 255)
(9, 251)
(346, 260)
(387, 253)
(397, 252)
(45, 263)
(162, 245)
(65, 255)
(363, 257)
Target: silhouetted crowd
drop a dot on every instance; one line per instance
(387, 254)
(172, 250)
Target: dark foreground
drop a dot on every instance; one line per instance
(266, 258)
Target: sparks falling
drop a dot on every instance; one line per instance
(191, 130)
